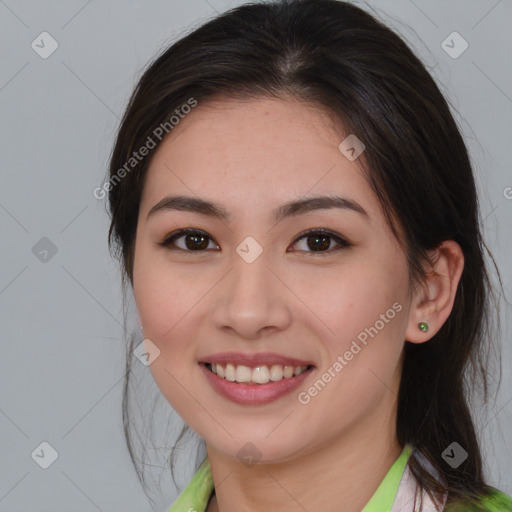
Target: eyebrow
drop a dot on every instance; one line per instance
(292, 208)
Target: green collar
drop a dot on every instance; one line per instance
(197, 493)
(383, 498)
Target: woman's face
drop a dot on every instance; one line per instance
(253, 284)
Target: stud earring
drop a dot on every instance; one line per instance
(423, 326)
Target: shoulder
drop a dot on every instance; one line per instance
(494, 501)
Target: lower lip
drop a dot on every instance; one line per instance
(254, 394)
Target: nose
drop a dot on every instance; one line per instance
(251, 301)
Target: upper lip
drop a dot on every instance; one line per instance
(254, 359)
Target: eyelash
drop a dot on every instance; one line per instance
(342, 243)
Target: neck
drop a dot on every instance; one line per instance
(342, 474)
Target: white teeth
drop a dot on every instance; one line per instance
(257, 375)
(230, 372)
(288, 372)
(260, 374)
(243, 373)
(276, 372)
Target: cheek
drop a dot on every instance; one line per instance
(352, 298)
(365, 311)
(165, 300)
(164, 294)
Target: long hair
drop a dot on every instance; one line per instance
(337, 56)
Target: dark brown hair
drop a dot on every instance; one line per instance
(337, 56)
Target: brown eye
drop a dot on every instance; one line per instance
(319, 241)
(193, 240)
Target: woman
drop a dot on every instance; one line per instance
(295, 209)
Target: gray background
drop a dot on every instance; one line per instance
(62, 354)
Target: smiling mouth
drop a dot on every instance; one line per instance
(261, 374)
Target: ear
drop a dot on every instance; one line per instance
(433, 302)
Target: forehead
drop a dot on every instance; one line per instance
(253, 152)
